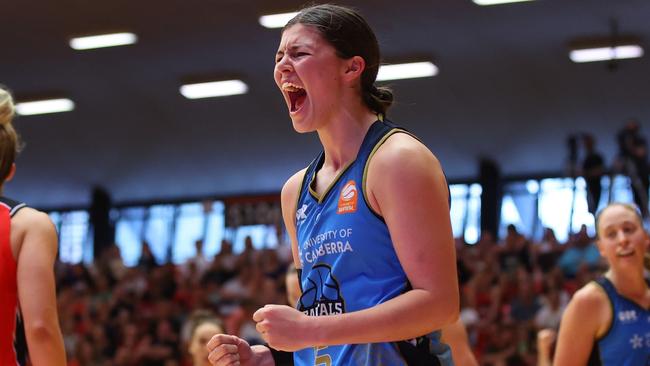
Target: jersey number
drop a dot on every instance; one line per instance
(322, 360)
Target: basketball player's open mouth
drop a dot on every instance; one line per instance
(297, 95)
(297, 99)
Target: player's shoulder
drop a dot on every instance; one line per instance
(32, 219)
(590, 309)
(590, 304)
(400, 157)
(399, 148)
(592, 295)
(291, 187)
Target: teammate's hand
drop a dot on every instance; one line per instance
(227, 350)
(545, 339)
(284, 328)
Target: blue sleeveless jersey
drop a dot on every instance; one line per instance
(627, 342)
(349, 263)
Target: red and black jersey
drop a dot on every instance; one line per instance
(11, 346)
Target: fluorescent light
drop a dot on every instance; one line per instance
(407, 71)
(606, 53)
(214, 89)
(103, 40)
(44, 106)
(276, 20)
(496, 2)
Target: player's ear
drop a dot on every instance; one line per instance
(12, 171)
(354, 68)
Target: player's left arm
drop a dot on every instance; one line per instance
(36, 288)
(407, 187)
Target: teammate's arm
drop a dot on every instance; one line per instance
(455, 336)
(36, 288)
(226, 349)
(586, 317)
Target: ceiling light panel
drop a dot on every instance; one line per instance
(214, 89)
(497, 2)
(276, 20)
(103, 40)
(606, 53)
(407, 71)
(44, 106)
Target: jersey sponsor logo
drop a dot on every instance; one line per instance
(636, 341)
(348, 198)
(301, 214)
(321, 293)
(627, 316)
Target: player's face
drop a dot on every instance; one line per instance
(622, 240)
(307, 71)
(202, 335)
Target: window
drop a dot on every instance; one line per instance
(75, 240)
(465, 211)
(214, 231)
(128, 234)
(519, 208)
(190, 227)
(158, 231)
(263, 236)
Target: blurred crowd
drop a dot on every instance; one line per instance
(116, 315)
(111, 314)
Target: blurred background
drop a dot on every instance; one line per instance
(166, 204)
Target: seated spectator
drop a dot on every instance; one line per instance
(550, 312)
(203, 325)
(581, 251)
(514, 251)
(547, 252)
(525, 304)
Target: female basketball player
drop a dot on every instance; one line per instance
(608, 321)
(28, 245)
(203, 325)
(368, 218)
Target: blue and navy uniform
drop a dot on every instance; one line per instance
(349, 263)
(627, 342)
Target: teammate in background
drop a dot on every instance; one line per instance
(608, 322)
(455, 335)
(368, 218)
(203, 325)
(28, 246)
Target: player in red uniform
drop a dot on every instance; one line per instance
(28, 245)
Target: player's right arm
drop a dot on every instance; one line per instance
(36, 287)
(587, 317)
(226, 350)
(289, 200)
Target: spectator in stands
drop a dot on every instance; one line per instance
(580, 252)
(514, 251)
(147, 261)
(593, 169)
(198, 264)
(633, 162)
(546, 253)
(551, 310)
